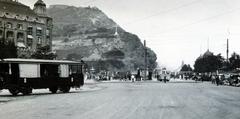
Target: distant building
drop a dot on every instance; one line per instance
(27, 28)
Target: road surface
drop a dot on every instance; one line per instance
(149, 100)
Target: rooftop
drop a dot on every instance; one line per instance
(37, 61)
(40, 2)
(15, 7)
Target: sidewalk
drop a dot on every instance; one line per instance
(181, 80)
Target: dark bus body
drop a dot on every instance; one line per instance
(23, 75)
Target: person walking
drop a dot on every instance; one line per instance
(132, 78)
(165, 79)
(217, 80)
(213, 79)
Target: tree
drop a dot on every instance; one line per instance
(44, 53)
(208, 63)
(7, 49)
(186, 67)
(234, 61)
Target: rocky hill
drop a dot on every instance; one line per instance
(87, 33)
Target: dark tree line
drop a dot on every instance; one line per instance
(186, 67)
(234, 61)
(44, 53)
(211, 63)
(7, 49)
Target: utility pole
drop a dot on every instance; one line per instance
(208, 43)
(145, 60)
(227, 50)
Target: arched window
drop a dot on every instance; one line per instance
(20, 26)
(9, 25)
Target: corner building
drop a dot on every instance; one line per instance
(28, 28)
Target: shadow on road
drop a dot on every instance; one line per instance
(38, 94)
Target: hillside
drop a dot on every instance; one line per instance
(88, 34)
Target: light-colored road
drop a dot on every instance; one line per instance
(130, 101)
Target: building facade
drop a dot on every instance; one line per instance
(28, 28)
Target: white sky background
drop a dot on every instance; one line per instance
(177, 30)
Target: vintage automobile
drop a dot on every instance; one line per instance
(24, 75)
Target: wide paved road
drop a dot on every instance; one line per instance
(130, 101)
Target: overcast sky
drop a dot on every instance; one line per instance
(177, 30)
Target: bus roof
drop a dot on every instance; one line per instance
(37, 61)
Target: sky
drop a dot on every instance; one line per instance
(176, 30)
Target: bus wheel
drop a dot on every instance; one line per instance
(65, 89)
(53, 89)
(14, 90)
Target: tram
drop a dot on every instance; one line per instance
(24, 75)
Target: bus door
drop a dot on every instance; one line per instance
(13, 74)
(77, 75)
(49, 74)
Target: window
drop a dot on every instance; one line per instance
(47, 41)
(20, 37)
(10, 34)
(29, 42)
(47, 32)
(19, 26)
(39, 40)
(39, 31)
(29, 30)
(9, 25)
(16, 16)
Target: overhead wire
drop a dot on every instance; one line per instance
(163, 12)
(202, 20)
(90, 1)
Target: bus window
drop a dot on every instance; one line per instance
(4, 68)
(29, 70)
(64, 70)
(49, 69)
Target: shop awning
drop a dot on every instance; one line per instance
(39, 28)
(30, 36)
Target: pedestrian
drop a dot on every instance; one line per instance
(165, 79)
(195, 78)
(129, 77)
(132, 78)
(217, 80)
(213, 79)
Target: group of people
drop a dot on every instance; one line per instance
(220, 79)
(215, 79)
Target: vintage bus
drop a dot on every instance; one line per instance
(162, 74)
(24, 75)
